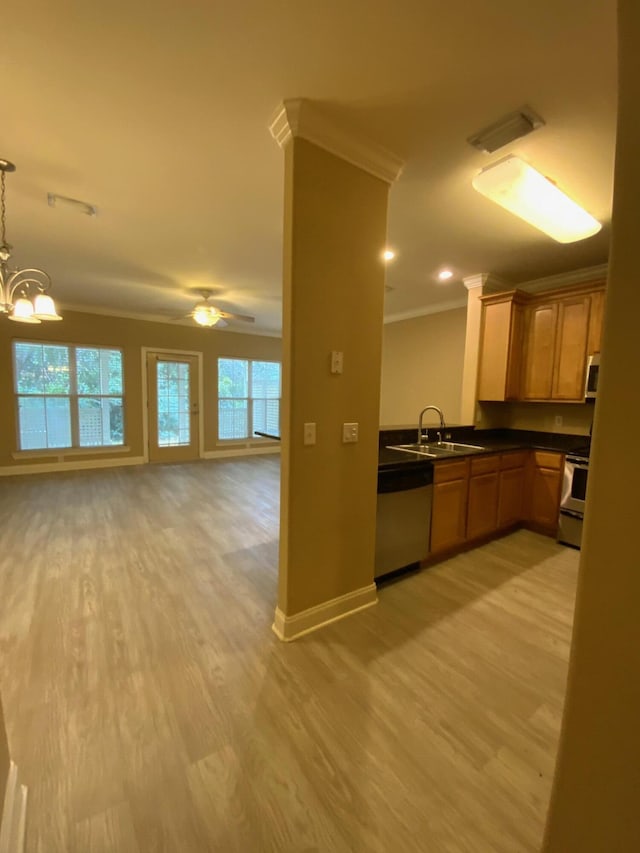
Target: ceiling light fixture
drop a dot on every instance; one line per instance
(17, 285)
(522, 190)
(206, 315)
(388, 254)
(444, 275)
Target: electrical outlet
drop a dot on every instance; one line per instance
(309, 434)
(558, 420)
(349, 433)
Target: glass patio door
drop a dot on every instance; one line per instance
(174, 406)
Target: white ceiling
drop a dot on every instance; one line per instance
(157, 112)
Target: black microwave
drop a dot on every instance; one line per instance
(591, 384)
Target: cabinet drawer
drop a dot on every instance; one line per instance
(545, 459)
(516, 459)
(446, 471)
(484, 464)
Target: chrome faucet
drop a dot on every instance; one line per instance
(442, 423)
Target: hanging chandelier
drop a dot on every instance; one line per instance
(23, 293)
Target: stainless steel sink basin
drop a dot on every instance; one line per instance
(455, 447)
(445, 448)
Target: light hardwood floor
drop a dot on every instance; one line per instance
(150, 708)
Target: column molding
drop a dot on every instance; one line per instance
(299, 117)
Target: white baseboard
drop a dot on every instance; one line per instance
(289, 628)
(69, 465)
(240, 451)
(14, 814)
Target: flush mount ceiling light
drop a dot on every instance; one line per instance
(522, 190)
(388, 255)
(23, 293)
(445, 275)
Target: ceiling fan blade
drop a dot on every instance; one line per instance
(220, 324)
(245, 318)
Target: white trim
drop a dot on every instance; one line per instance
(289, 628)
(425, 310)
(63, 452)
(14, 814)
(71, 465)
(487, 280)
(565, 279)
(245, 450)
(145, 395)
(300, 117)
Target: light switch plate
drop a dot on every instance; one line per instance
(309, 433)
(337, 362)
(349, 433)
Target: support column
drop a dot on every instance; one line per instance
(477, 286)
(594, 805)
(335, 222)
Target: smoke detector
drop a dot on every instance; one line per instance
(506, 130)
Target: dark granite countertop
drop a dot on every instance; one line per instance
(492, 441)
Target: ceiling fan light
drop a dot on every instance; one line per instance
(525, 192)
(45, 308)
(23, 311)
(204, 315)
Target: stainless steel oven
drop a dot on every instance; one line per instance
(572, 500)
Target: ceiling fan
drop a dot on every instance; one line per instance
(206, 314)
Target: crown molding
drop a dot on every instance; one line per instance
(487, 281)
(425, 311)
(299, 117)
(565, 279)
(159, 318)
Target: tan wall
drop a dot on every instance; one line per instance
(131, 336)
(576, 417)
(595, 803)
(335, 228)
(422, 364)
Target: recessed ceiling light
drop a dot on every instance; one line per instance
(388, 254)
(444, 275)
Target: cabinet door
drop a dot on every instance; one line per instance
(482, 517)
(539, 349)
(570, 361)
(544, 498)
(595, 322)
(510, 497)
(449, 514)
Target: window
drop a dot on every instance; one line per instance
(68, 396)
(248, 397)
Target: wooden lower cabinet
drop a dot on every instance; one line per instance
(511, 497)
(449, 510)
(473, 498)
(544, 487)
(484, 483)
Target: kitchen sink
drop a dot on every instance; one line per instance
(455, 447)
(444, 448)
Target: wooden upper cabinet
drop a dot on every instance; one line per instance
(570, 358)
(499, 365)
(540, 342)
(535, 346)
(595, 322)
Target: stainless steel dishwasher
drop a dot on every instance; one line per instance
(403, 522)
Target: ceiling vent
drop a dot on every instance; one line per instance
(506, 130)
